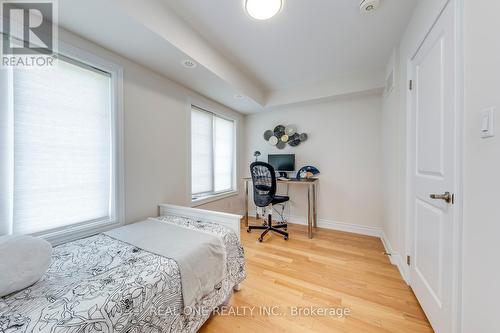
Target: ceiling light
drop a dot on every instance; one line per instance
(188, 63)
(263, 9)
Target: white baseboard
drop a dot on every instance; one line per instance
(396, 258)
(339, 226)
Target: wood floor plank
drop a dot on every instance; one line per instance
(334, 270)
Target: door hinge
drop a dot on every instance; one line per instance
(410, 85)
(408, 260)
(453, 199)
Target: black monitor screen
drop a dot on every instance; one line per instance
(282, 162)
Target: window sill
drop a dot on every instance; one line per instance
(211, 198)
(73, 233)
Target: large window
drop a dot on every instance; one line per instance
(64, 149)
(212, 154)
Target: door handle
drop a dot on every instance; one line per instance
(447, 196)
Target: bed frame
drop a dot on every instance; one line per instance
(231, 221)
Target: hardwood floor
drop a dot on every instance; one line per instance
(334, 271)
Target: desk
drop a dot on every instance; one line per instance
(310, 184)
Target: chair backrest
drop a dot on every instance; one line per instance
(264, 183)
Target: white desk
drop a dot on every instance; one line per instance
(310, 184)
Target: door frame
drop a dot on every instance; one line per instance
(457, 6)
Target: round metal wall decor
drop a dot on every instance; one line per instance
(279, 131)
(268, 134)
(281, 145)
(281, 135)
(290, 130)
(294, 143)
(273, 141)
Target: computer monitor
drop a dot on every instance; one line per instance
(282, 162)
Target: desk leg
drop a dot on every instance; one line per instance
(309, 213)
(246, 203)
(315, 205)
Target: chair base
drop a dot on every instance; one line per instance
(270, 227)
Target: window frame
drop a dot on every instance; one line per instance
(206, 197)
(117, 215)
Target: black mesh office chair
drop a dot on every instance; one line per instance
(264, 195)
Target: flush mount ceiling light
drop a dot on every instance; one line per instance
(188, 63)
(263, 9)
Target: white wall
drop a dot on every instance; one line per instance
(156, 131)
(481, 241)
(391, 162)
(344, 143)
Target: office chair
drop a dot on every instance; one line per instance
(264, 195)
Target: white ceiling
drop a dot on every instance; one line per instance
(110, 24)
(313, 50)
(309, 41)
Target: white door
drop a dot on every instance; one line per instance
(433, 173)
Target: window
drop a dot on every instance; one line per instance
(64, 149)
(212, 154)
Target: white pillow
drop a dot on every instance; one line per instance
(23, 261)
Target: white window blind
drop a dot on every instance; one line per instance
(201, 151)
(212, 154)
(63, 165)
(223, 154)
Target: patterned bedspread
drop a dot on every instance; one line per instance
(99, 284)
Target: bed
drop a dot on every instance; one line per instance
(102, 284)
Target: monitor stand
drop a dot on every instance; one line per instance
(283, 175)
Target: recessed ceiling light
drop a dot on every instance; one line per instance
(263, 9)
(188, 63)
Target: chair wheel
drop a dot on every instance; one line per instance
(286, 237)
(249, 230)
(260, 239)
